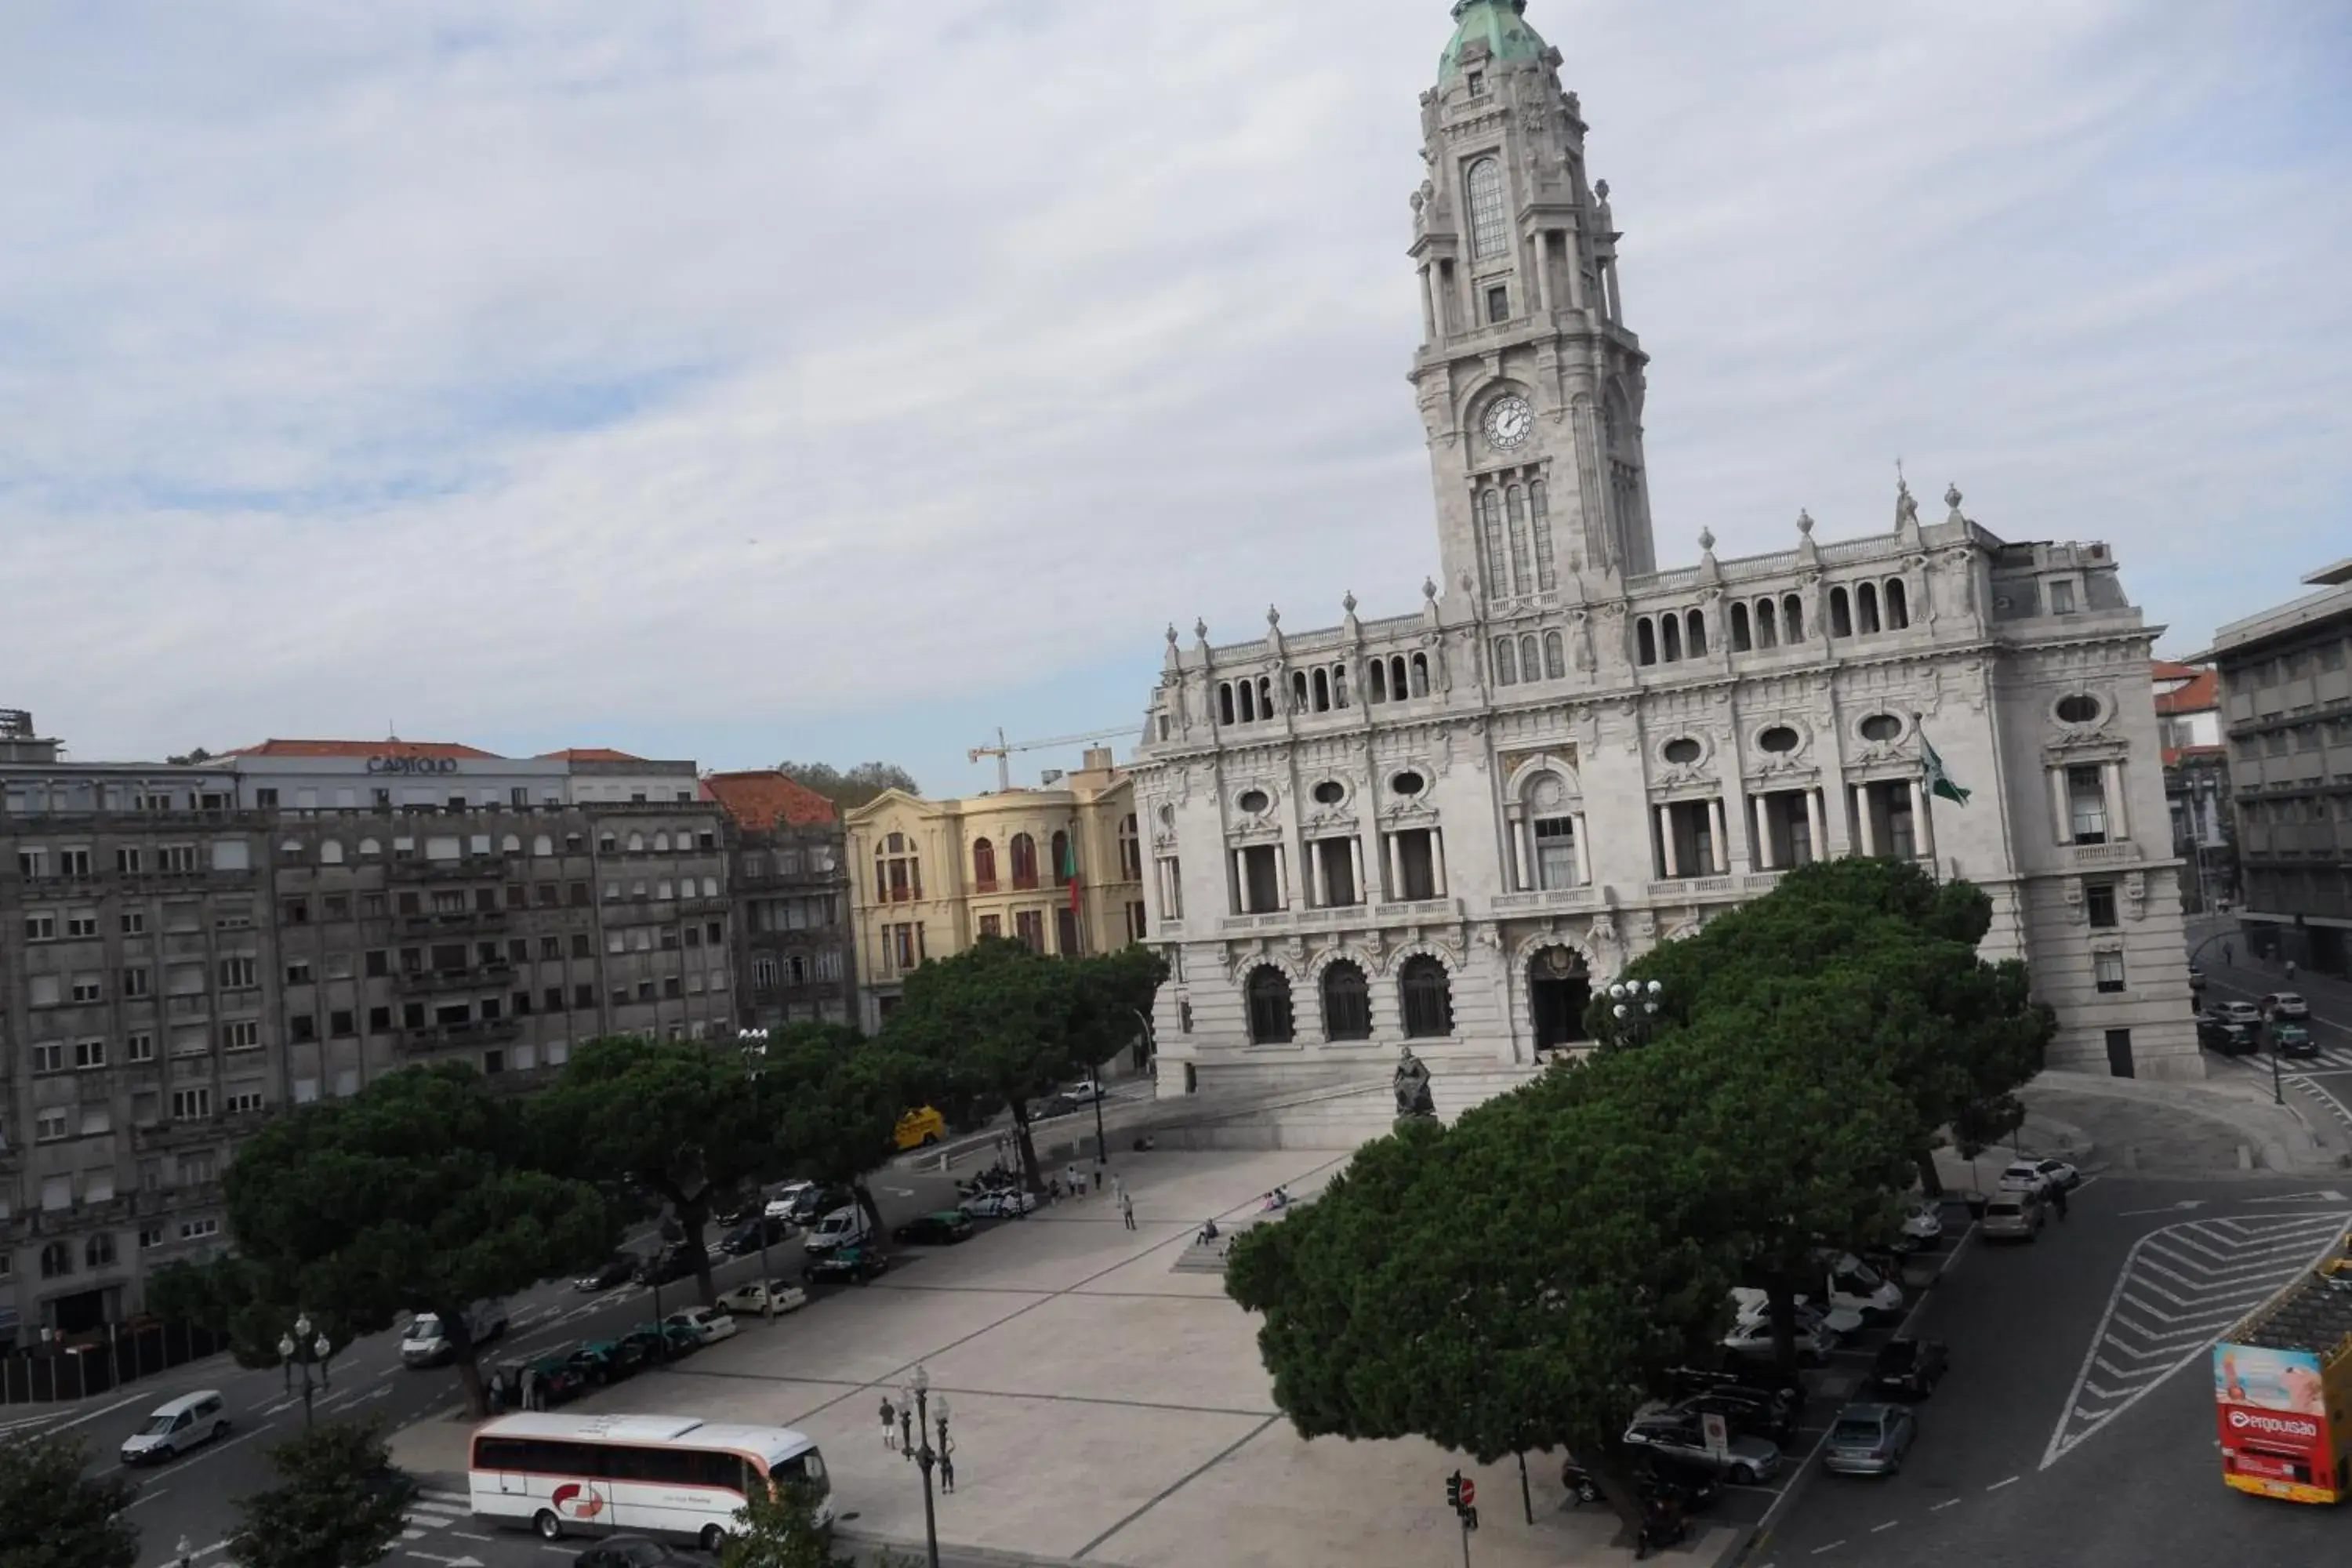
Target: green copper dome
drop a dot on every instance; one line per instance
(1500, 24)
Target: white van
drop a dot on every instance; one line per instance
(842, 1227)
(176, 1427)
(1856, 1286)
(426, 1342)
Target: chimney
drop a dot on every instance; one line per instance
(1098, 759)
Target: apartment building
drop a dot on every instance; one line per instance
(2197, 782)
(187, 950)
(790, 873)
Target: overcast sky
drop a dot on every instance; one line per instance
(826, 379)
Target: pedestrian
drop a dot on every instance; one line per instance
(1070, 1179)
(947, 1467)
(2230, 954)
(1127, 1210)
(1118, 1189)
(2058, 1199)
(530, 1388)
(889, 1426)
(2290, 969)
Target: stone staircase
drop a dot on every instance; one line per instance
(1337, 1116)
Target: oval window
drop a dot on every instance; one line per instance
(1682, 750)
(1408, 782)
(2078, 708)
(1881, 727)
(1779, 738)
(1167, 817)
(1330, 792)
(1254, 801)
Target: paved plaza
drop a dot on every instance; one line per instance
(1106, 1408)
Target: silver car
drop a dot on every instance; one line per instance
(1870, 1440)
(1680, 1435)
(2013, 1216)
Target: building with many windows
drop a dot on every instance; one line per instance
(792, 900)
(2286, 703)
(186, 950)
(1058, 867)
(1444, 827)
(2197, 782)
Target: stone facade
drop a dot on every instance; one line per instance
(1445, 827)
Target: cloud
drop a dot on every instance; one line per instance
(740, 375)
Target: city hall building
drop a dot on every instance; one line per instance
(1444, 827)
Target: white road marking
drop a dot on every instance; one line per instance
(92, 1416)
(1890, 1525)
(149, 1495)
(1939, 1507)
(199, 1554)
(1832, 1546)
(1998, 1485)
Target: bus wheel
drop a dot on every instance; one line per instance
(713, 1538)
(549, 1528)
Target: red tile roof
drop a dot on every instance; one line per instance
(2202, 694)
(588, 754)
(385, 748)
(766, 798)
(2165, 670)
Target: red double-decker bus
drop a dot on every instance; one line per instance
(2283, 1389)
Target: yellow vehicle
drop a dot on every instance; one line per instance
(921, 1128)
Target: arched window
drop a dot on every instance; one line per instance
(1490, 528)
(1546, 578)
(1488, 235)
(57, 1260)
(98, 1252)
(1865, 605)
(1224, 702)
(292, 849)
(661, 843)
(1645, 642)
(1793, 618)
(983, 866)
(1298, 691)
(636, 843)
(1530, 657)
(1507, 663)
(1555, 657)
(544, 844)
(370, 850)
(1065, 866)
(1767, 632)
(1427, 996)
(1841, 615)
(1249, 702)
(1670, 636)
(1338, 686)
(1130, 850)
(1379, 677)
(1522, 573)
(1696, 621)
(1420, 675)
(1898, 605)
(1268, 994)
(1024, 860)
(1322, 691)
(330, 852)
(1265, 708)
(510, 845)
(1741, 640)
(1347, 1002)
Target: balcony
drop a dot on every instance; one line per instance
(446, 1036)
(453, 920)
(2122, 854)
(426, 982)
(1691, 888)
(1579, 898)
(471, 868)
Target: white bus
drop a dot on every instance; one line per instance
(677, 1477)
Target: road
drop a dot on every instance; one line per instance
(2327, 1078)
(191, 1498)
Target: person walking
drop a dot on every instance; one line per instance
(947, 1467)
(2290, 969)
(1127, 1210)
(889, 1426)
(1070, 1179)
(2058, 1199)
(2230, 954)
(1117, 1188)
(530, 1388)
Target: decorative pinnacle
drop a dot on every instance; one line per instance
(1348, 601)
(1273, 616)
(1428, 588)
(1201, 629)
(1804, 521)
(1172, 634)
(1952, 497)
(1706, 540)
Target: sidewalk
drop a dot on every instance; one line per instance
(2227, 1123)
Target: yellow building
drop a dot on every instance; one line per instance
(1060, 869)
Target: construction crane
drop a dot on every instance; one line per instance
(1004, 749)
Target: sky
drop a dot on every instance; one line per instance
(826, 379)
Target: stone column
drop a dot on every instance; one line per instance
(2111, 783)
(1356, 866)
(1396, 867)
(1543, 271)
(1428, 306)
(1816, 822)
(1437, 861)
(1666, 841)
(1760, 823)
(1717, 818)
(1862, 824)
(1281, 877)
(1574, 263)
(1320, 881)
(1241, 882)
(1522, 868)
(2063, 816)
(1583, 855)
(1923, 836)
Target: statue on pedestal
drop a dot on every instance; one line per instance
(1413, 1098)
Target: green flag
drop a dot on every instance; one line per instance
(1931, 766)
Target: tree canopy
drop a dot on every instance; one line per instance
(53, 1514)
(417, 1193)
(854, 787)
(833, 1099)
(998, 1022)
(779, 1529)
(338, 1503)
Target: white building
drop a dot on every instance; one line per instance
(1445, 827)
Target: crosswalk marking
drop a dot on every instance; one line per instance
(2181, 1288)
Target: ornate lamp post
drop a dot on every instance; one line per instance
(1634, 1006)
(915, 1423)
(299, 1350)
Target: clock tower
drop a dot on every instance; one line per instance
(1530, 385)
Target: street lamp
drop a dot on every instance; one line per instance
(1634, 1006)
(915, 1424)
(299, 1350)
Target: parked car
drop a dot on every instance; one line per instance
(2225, 1036)
(1003, 1203)
(1053, 1105)
(1085, 1091)
(1754, 1305)
(2285, 1004)
(2237, 1012)
(617, 1269)
(600, 1362)
(943, 1227)
(921, 1128)
(634, 1552)
(1744, 1460)
(1779, 1383)
(2196, 978)
(1922, 1224)
(853, 1263)
(785, 1198)
(707, 1325)
(757, 1298)
(747, 1237)
(811, 1203)
(676, 1261)
(425, 1343)
(1747, 1411)
(663, 1340)
(1850, 1283)
(2017, 1215)
(2039, 1175)
(1655, 1476)
(1909, 1367)
(554, 1380)
(1752, 1338)
(845, 1227)
(2292, 1040)
(177, 1427)
(1870, 1440)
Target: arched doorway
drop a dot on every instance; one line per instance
(1558, 990)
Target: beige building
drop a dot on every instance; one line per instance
(1058, 867)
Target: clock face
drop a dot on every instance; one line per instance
(1509, 422)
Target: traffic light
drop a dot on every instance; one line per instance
(1469, 1519)
(1453, 1491)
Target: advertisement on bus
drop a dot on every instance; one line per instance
(2272, 1404)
